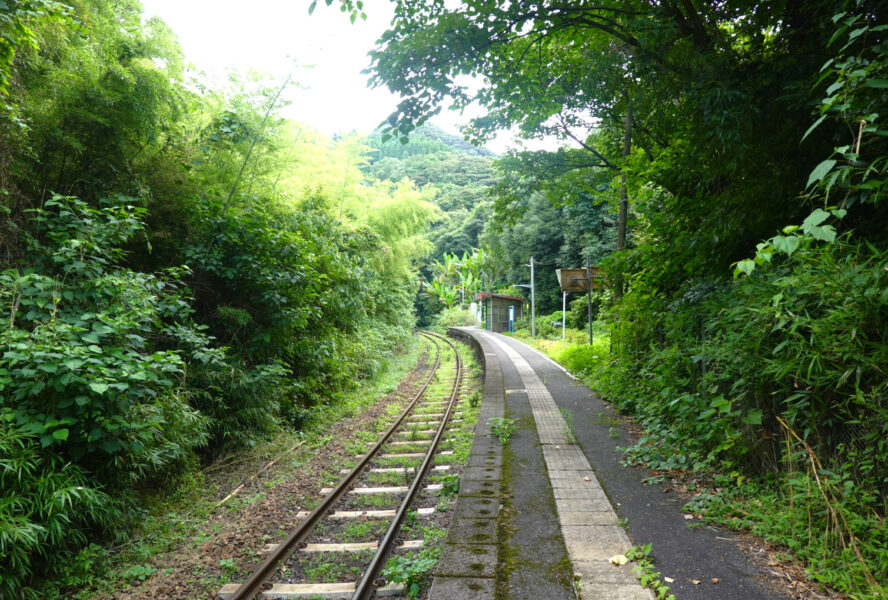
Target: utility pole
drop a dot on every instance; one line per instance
(533, 329)
(532, 287)
(589, 294)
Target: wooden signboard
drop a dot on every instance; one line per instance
(576, 280)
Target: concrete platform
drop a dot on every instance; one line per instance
(469, 561)
(540, 516)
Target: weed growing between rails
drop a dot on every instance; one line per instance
(186, 521)
(425, 499)
(414, 568)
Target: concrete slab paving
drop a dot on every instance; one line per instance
(482, 473)
(595, 542)
(472, 531)
(603, 571)
(587, 517)
(461, 559)
(484, 460)
(478, 487)
(476, 508)
(611, 591)
(462, 588)
(534, 562)
(571, 479)
(585, 504)
(469, 558)
(547, 469)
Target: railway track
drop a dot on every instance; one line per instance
(373, 499)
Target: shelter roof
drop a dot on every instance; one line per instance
(486, 295)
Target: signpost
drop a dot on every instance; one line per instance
(580, 280)
(563, 319)
(589, 295)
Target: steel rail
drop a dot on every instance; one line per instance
(252, 586)
(369, 582)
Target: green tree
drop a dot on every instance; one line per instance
(98, 101)
(701, 81)
(18, 19)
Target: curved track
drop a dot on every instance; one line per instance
(262, 580)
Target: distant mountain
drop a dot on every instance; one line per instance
(427, 139)
(460, 172)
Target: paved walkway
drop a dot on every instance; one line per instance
(541, 516)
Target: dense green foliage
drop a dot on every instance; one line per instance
(183, 273)
(93, 401)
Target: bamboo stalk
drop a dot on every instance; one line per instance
(832, 506)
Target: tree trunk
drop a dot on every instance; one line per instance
(624, 196)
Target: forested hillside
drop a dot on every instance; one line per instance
(459, 174)
(463, 181)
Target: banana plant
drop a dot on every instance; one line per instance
(446, 294)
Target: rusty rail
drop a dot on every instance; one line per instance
(253, 585)
(369, 581)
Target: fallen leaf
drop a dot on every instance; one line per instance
(587, 479)
(695, 581)
(668, 580)
(715, 580)
(688, 517)
(619, 559)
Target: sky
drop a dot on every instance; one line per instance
(323, 51)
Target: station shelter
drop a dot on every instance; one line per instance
(499, 312)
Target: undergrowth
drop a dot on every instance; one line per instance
(180, 518)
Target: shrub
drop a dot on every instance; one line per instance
(83, 369)
(578, 310)
(47, 505)
(91, 400)
(453, 317)
(804, 340)
(579, 359)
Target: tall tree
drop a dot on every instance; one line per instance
(716, 91)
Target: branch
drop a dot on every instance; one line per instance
(605, 162)
(253, 143)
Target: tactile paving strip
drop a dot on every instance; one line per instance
(589, 523)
